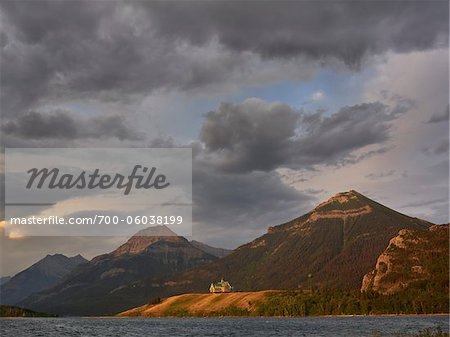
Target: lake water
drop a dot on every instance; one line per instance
(140, 327)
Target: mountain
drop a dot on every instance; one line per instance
(95, 287)
(140, 241)
(4, 279)
(40, 276)
(335, 244)
(333, 247)
(413, 259)
(218, 252)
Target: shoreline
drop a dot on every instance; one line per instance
(320, 316)
(222, 317)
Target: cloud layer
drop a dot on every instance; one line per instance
(257, 135)
(112, 50)
(64, 125)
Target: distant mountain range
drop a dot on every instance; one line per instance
(332, 247)
(218, 252)
(95, 287)
(42, 275)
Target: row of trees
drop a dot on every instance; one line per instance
(338, 302)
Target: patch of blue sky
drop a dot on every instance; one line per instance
(339, 89)
(183, 122)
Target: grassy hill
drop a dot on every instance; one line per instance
(286, 303)
(227, 304)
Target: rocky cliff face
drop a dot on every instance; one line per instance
(413, 257)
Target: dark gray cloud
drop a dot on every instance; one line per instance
(240, 206)
(41, 42)
(250, 135)
(64, 125)
(380, 175)
(314, 191)
(347, 30)
(441, 148)
(113, 50)
(256, 135)
(353, 158)
(440, 117)
(328, 139)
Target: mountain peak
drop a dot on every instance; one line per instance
(146, 237)
(343, 205)
(342, 198)
(160, 230)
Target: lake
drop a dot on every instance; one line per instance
(311, 326)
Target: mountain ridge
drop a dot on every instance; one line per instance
(40, 276)
(333, 246)
(94, 288)
(218, 252)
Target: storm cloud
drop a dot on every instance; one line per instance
(242, 206)
(64, 125)
(440, 117)
(346, 30)
(257, 135)
(114, 50)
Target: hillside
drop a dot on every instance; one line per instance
(4, 280)
(335, 244)
(200, 305)
(331, 247)
(40, 276)
(290, 303)
(95, 287)
(417, 259)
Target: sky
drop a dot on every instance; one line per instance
(284, 103)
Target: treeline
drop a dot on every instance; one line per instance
(329, 302)
(338, 302)
(10, 311)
